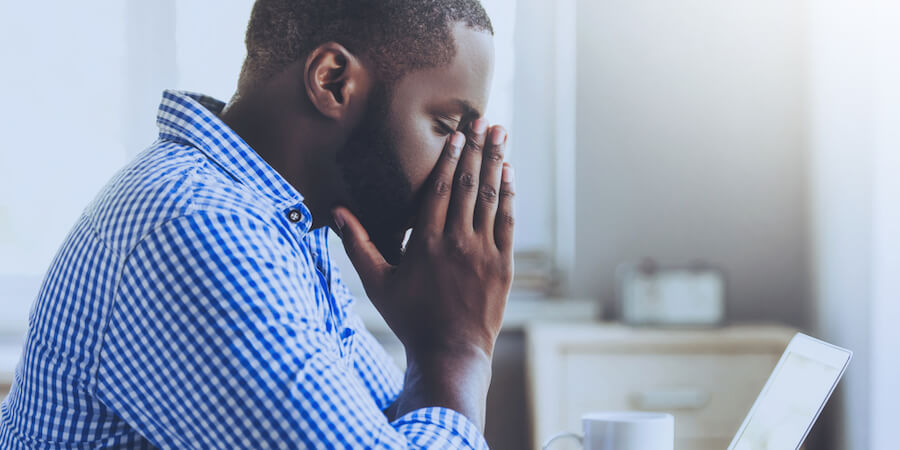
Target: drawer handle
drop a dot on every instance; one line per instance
(669, 399)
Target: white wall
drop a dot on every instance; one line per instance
(854, 117)
(691, 145)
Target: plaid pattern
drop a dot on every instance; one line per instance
(191, 306)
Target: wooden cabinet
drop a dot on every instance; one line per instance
(707, 378)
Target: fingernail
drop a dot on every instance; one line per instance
(456, 142)
(479, 126)
(339, 220)
(498, 136)
(509, 175)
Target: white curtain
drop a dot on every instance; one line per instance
(855, 150)
(885, 375)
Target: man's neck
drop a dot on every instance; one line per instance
(279, 135)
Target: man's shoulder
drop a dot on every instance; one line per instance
(167, 181)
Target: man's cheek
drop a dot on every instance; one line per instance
(419, 172)
(420, 150)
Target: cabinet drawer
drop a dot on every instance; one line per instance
(709, 394)
(707, 378)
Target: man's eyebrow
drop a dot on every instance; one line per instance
(468, 110)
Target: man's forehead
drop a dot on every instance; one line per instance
(464, 83)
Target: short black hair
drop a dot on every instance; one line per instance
(396, 36)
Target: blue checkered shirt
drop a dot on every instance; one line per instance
(191, 306)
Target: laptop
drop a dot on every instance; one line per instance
(793, 397)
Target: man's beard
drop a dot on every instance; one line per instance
(381, 194)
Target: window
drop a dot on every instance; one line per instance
(62, 128)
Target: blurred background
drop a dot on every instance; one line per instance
(745, 153)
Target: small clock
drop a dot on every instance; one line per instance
(650, 294)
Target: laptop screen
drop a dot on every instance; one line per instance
(789, 404)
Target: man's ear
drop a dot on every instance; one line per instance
(334, 78)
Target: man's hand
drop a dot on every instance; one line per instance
(445, 300)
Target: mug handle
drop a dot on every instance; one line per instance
(562, 435)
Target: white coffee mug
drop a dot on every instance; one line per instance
(625, 430)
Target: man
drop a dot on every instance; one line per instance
(195, 304)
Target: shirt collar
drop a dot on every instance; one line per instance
(192, 119)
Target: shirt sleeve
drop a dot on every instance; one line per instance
(384, 380)
(218, 339)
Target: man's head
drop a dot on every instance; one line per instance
(396, 36)
(378, 85)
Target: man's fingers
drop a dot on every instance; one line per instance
(489, 190)
(365, 257)
(503, 225)
(437, 197)
(465, 184)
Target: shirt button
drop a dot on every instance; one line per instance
(294, 215)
